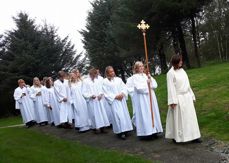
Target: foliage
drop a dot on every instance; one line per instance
(28, 51)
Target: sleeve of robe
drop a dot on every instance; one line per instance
(124, 89)
(190, 89)
(45, 96)
(153, 84)
(86, 90)
(130, 87)
(109, 95)
(192, 94)
(100, 87)
(141, 88)
(17, 96)
(172, 96)
(60, 96)
(32, 94)
(71, 95)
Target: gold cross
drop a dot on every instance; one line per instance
(143, 26)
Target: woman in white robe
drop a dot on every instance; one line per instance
(93, 93)
(181, 123)
(106, 105)
(146, 125)
(69, 106)
(36, 96)
(51, 102)
(24, 103)
(62, 96)
(115, 91)
(81, 116)
(45, 94)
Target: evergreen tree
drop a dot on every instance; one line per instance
(28, 51)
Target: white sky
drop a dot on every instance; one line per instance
(69, 16)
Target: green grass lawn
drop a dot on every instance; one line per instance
(211, 87)
(23, 145)
(10, 121)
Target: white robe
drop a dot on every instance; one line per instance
(69, 106)
(130, 88)
(25, 104)
(40, 109)
(61, 93)
(106, 105)
(97, 112)
(44, 96)
(51, 100)
(181, 123)
(143, 115)
(80, 107)
(119, 110)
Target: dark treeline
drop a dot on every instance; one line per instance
(196, 29)
(31, 50)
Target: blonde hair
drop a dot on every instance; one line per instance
(75, 71)
(36, 78)
(108, 68)
(136, 66)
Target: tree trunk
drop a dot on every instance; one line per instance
(175, 42)
(195, 41)
(122, 74)
(162, 57)
(183, 45)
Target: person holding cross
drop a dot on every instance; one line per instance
(148, 121)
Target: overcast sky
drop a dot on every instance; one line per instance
(68, 16)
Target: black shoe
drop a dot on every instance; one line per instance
(103, 130)
(154, 136)
(121, 136)
(96, 131)
(174, 141)
(197, 141)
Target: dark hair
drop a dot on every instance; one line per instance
(61, 74)
(175, 61)
(48, 83)
(92, 71)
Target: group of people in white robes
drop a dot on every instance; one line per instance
(95, 103)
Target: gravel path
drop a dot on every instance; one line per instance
(210, 151)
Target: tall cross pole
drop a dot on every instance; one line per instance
(143, 27)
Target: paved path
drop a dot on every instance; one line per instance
(18, 125)
(160, 149)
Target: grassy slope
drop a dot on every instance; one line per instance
(211, 87)
(24, 145)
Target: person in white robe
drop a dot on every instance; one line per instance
(115, 91)
(70, 107)
(61, 93)
(106, 105)
(40, 109)
(181, 122)
(93, 93)
(147, 126)
(24, 103)
(44, 96)
(82, 121)
(51, 101)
